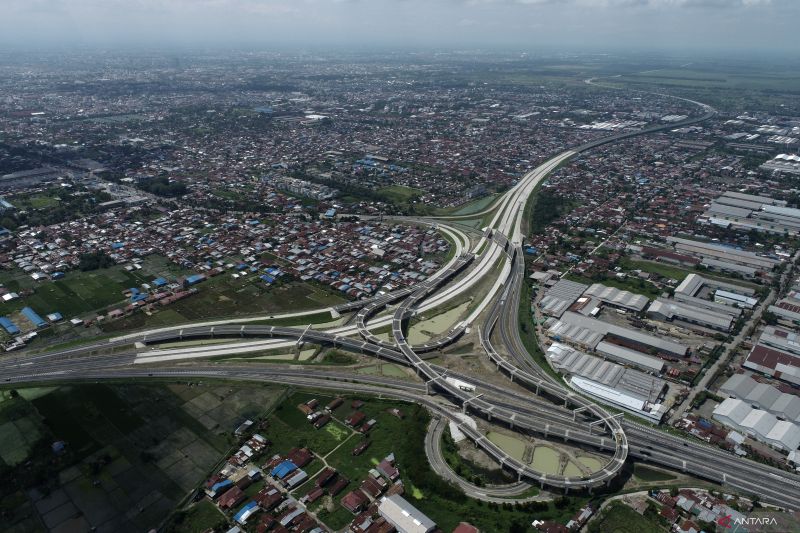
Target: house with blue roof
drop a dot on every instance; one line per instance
(219, 487)
(159, 282)
(246, 512)
(9, 326)
(138, 297)
(283, 469)
(34, 317)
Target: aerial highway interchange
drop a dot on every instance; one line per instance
(548, 409)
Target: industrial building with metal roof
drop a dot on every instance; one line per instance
(403, 516)
(723, 254)
(772, 362)
(671, 310)
(762, 396)
(617, 297)
(561, 296)
(758, 424)
(572, 324)
(623, 355)
(756, 213)
(632, 390)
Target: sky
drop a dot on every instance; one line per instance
(732, 25)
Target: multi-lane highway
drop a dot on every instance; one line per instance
(552, 410)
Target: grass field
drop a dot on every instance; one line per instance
(223, 297)
(667, 271)
(650, 474)
(399, 194)
(469, 208)
(85, 294)
(619, 518)
(202, 516)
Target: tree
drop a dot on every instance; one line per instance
(94, 261)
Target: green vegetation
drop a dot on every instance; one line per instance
(469, 208)
(400, 194)
(662, 269)
(163, 187)
(336, 357)
(120, 440)
(619, 518)
(546, 207)
(223, 297)
(43, 201)
(645, 473)
(95, 261)
(527, 332)
(472, 472)
(405, 437)
(202, 516)
(52, 206)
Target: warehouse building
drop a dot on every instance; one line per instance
(623, 355)
(758, 424)
(698, 286)
(561, 296)
(618, 298)
(591, 331)
(29, 178)
(673, 311)
(403, 516)
(700, 303)
(776, 363)
(788, 163)
(722, 255)
(734, 299)
(787, 309)
(753, 213)
(763, 396)
(780, 339)
(690, 290)
(625, 388)
(574, 333)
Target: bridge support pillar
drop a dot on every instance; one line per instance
(489, 416)
(591, 488)
(519, 476)
(537, 390)
(541, 483)
(608, 482)
(566, 491)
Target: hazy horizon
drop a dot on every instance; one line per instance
(712, 25)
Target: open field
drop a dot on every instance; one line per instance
(619, 518)
(399, 194)
(132, 452)
(651, 474)
(87, 294)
